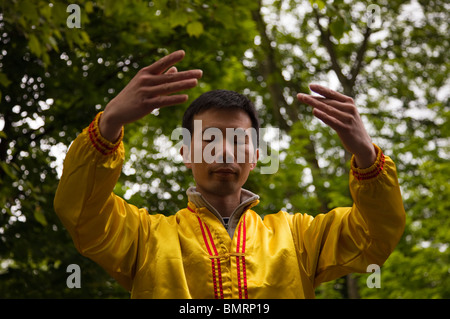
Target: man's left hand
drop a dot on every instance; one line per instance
(339, 112)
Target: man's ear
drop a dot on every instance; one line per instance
(185, 153)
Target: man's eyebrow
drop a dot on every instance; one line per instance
(236, 129)
(209, 127)
(233, 128)
(203, 131)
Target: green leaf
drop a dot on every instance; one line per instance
(320, 4)
(85, 38)
(225, 16)
(8, 171)
(89, 7)
(39, 216)
(34, 45)
(178, 18)
(57, 263)
(195, 29)
(4, 81)
(53, 43)
(337, 28)
(29, 11)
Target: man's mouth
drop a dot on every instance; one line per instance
(224, 171)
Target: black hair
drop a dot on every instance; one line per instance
(221, 99)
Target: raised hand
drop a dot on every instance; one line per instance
(340, 113)
(148, 90)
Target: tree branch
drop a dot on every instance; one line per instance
(329, 46)
(275, 82)
(360, 56)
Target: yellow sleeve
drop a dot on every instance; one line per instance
(102, 225)
(348, 239)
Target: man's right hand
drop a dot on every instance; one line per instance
(148, 90)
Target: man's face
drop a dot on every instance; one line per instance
(227, 155)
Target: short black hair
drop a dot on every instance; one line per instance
(221, 99)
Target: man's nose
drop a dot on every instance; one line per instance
(226, 152)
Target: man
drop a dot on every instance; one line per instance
(197, 253)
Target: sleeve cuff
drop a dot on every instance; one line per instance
(370, 172)
(101, 144)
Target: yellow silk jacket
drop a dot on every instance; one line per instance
(195, 254)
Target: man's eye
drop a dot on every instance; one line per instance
(208, 140)
(240, 140)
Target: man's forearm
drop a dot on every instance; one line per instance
(91, 169)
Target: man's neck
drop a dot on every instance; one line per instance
(246, 198)
(224, 204)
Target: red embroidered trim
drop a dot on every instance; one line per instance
(212, 260)
(213, 263)
(242, 280)
(373, 173)
(218, 261)
(238, 259)
(244, 268)
(238, 262)
(96, 139)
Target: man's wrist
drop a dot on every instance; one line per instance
(369, 173)
(366, 159)
(102, 144)
(109, 131)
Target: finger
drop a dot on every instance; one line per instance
(164, 63)
(169, 88)
(171, 76)
(163, 101)
(172, 70)
(330, 93)
(331, 121)
(345, 107)
(328, 108)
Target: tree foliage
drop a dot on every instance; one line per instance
(54, 79)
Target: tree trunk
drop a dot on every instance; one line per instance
(352, 287)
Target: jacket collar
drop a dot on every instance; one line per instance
(248, 199)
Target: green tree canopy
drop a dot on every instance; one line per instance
(54, 79)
